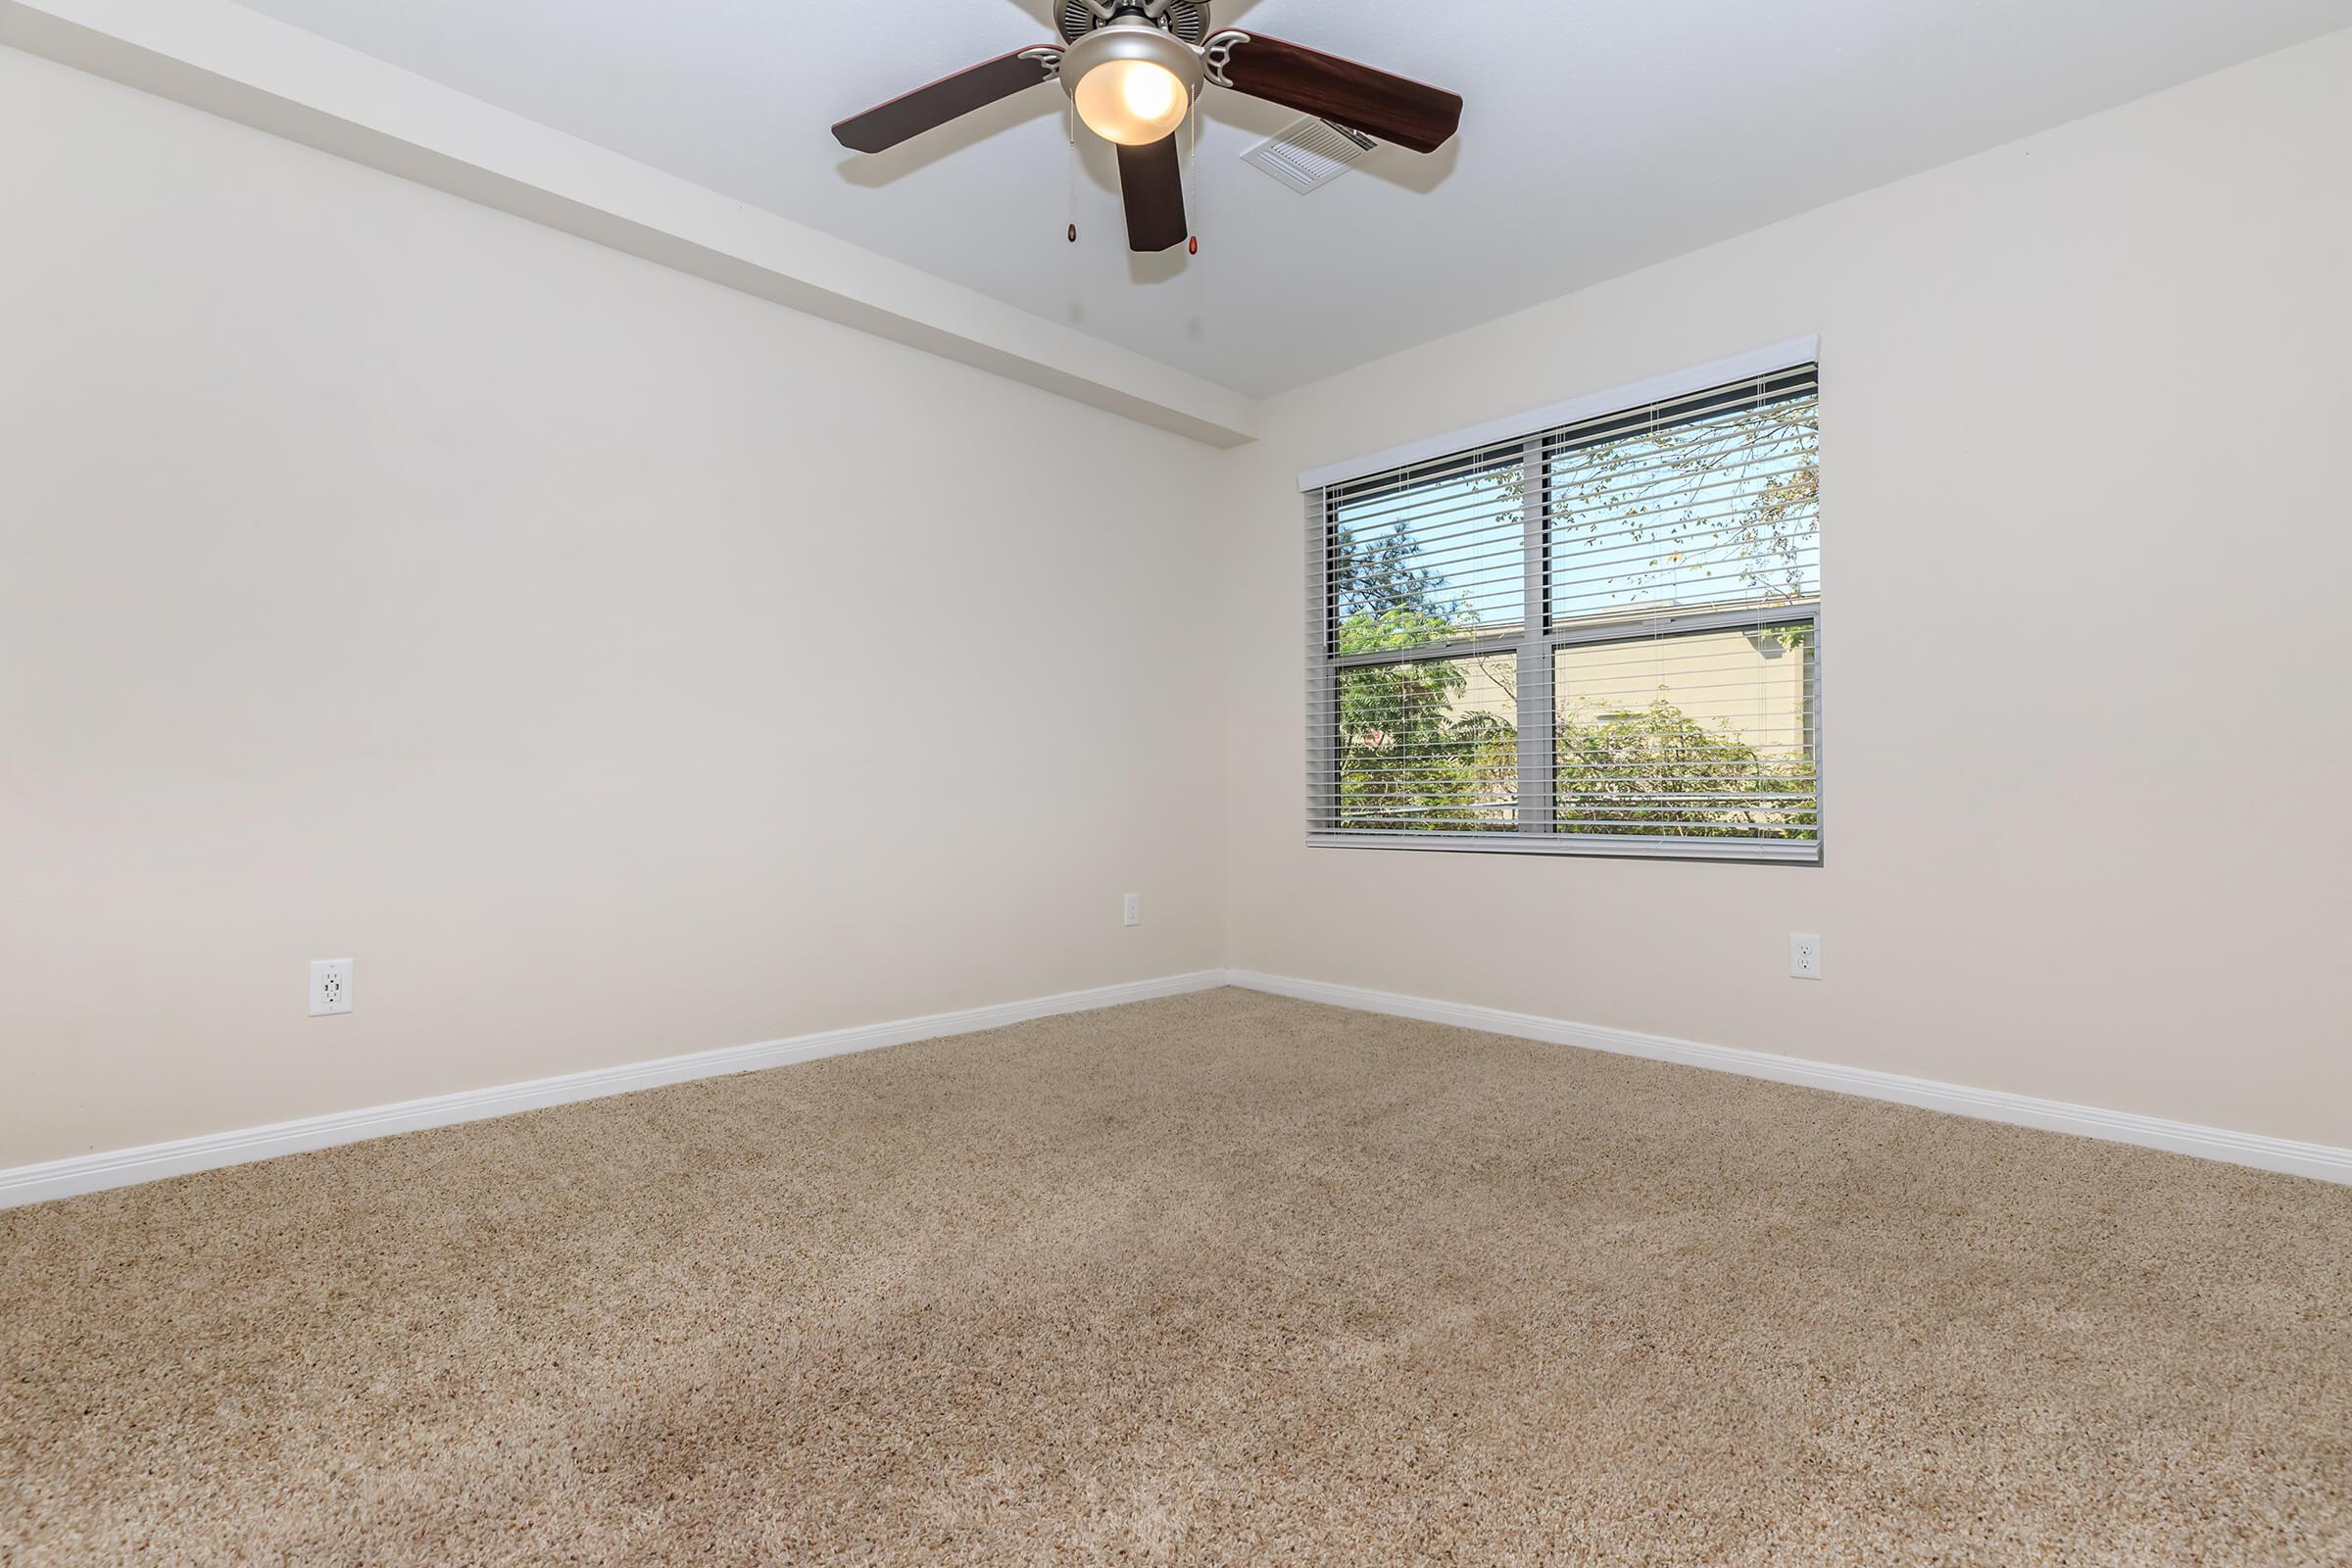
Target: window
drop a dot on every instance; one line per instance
(1603, 637)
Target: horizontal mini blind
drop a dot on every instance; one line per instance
(1706, 735)
(1600, 637)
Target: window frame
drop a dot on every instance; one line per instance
(1536, 646)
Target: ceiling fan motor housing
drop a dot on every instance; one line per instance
(1185, 18)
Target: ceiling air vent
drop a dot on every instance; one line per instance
(1309, 154)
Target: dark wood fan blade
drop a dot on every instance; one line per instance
(884, 125)
(1152, 179)
(1374, 102)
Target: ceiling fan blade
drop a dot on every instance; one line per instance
(1393, 108)
(884, 125)
(1152, 179)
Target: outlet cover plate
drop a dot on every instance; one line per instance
(1804, 955)
(330, 987)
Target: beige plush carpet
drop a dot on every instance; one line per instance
(1223, 1279)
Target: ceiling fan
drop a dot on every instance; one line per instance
(1133, 69)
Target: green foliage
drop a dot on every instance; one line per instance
(1411, 756)
(1659, 772)
(1373, 577)
(1391, 630)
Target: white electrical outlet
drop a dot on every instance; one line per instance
(331, 986)
(1804, 955)
(1135, 908)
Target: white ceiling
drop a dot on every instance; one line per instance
(1599, 138)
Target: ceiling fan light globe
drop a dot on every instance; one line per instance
(1132, 102)
(1132, 83)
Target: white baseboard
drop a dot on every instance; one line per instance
(125, 1167)
(90, 1173)
(2318, 1161)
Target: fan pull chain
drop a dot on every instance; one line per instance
(1192, 243)
(1073, 190)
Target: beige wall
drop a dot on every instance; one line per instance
(613, 664)
(2084, 543)
(616, 665)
